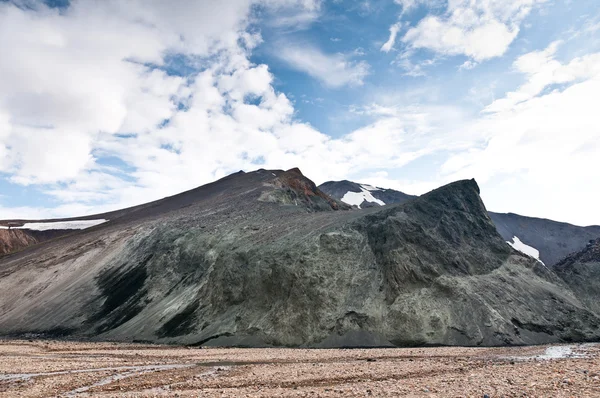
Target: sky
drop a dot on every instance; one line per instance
(107, 104)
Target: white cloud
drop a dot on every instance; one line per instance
(389, 44)
(78, 73)
(479, 29)
(536, 144)
(77, 86)
(334, 70)
(542, 70)
(533, 152)
(468, 65)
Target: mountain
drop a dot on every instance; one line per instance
(363, 195)
(546, 240)
(267, 258)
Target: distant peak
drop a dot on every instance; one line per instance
(293, 187)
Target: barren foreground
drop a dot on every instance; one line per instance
(48, 368)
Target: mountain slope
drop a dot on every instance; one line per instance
(550, 239)
(554, 240)
(264, 258)
(581, 271)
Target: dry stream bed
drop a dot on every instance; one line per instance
(69, 369)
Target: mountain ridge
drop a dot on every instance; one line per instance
(554, 240)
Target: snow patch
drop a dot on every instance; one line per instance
(45, 226)
(356, 198)
(560, 352)
(525, 249)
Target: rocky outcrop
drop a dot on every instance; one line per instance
(219, 265)
(14, 239)
(292, 187)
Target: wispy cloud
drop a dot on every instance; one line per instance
(389, 44)
(542, 71)
(293, 14)
(333, 70)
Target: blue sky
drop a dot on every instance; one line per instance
(105, 104)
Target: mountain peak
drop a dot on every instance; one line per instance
(295, 170)
(452, 225)
(463, 195)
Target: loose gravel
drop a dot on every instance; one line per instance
(70, 369)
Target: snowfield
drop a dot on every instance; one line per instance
(356, 198)
(525, 249)
(46, 226)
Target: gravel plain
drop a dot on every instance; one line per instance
(39, 368)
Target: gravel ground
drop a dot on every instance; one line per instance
(68, 369)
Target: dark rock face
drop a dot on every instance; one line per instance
(554, 240)
(581, 271)
(220, 265)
